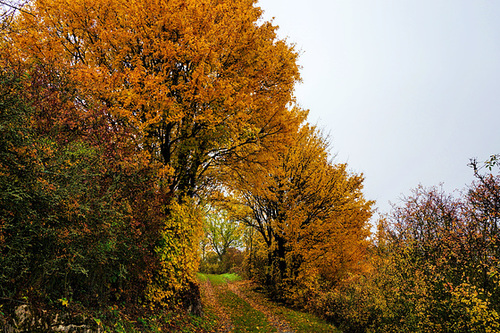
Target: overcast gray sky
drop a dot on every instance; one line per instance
(408, 90)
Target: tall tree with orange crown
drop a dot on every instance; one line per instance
(197, 84)
(202, 82)
(310, 212)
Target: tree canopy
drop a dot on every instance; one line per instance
(202, 82)
(310, 212)
(121, 120)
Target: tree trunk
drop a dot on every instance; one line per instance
(191, 299)
(277, 267)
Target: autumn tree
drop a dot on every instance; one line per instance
(202, 82)
(310, 212)
(482, 212)
(186, 86)
(457, 236)
(435, 265)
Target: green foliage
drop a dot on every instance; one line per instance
(16, 183)
(223, 235)
(72, 221)
(118, 320)
(62, 231)
(492, 161)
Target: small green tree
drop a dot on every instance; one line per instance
(223, 232)
(223, 237)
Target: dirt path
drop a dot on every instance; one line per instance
(281, 325)
(209, 299)
(212, 297)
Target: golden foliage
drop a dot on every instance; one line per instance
(310, 212)
(203, 82)
(198, 84)
(178, 253)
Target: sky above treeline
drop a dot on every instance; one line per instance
(409, 91)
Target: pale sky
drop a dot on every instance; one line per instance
(408, 90)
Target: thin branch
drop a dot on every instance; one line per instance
(19, 8)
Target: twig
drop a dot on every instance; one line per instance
(19, 8)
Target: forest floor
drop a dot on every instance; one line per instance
(233, 305)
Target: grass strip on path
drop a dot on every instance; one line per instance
(280, 325)
(236, 314)
(297, 321)
(218, 279)
(243, 310)
(244, 317)
(210, 300)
